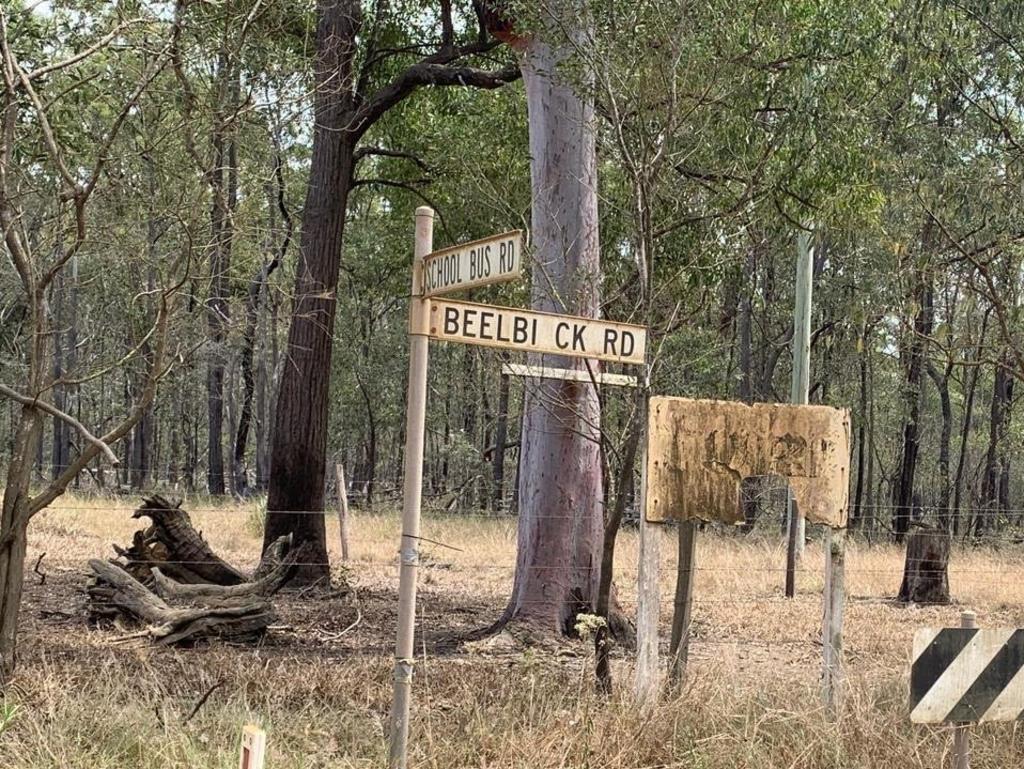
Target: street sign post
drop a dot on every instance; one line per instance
(482, 262)
(497, 259)
(529, 331)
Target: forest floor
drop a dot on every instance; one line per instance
(321, 684)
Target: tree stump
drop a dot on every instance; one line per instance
(179, 590)
(173, 544)
(926, 570)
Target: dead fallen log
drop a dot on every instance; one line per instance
(171, 582)
(244, 617)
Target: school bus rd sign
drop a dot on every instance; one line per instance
(541, 332)
(496, 259)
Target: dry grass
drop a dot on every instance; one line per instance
(322, 689)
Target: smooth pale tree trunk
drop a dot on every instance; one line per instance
(60, 448)
(560, 479)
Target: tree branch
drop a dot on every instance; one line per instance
(53, 411)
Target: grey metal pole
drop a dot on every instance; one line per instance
(419, 319)
(962, 735)
(800, 388)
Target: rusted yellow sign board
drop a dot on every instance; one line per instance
(698, 451)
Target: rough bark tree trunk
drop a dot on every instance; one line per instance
(993, 495)
(299, 446)
(913, 356)
(942, 503)
(970, 388)
(925, 572)
(223, 180)
(863, 457)
(500, 442)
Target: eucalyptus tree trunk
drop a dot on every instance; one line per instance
(299, 447)
(913, 356)
(995, 481)
(942, 503)
(560, 480)
(60, 447)
(343, 112)
(863, 457)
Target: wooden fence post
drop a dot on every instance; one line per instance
(339, 480)
(679, 646)
(834, 600)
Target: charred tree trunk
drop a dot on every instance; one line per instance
(343, 111)
(970, 388)
(913, 356)
(942, 503)
(500, 443)
(926, 571)
(995, 477)
(863, 457)
(253, 306)
(299, 447)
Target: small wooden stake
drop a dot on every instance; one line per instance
(254, 747)
(962, 735)
(679, 646)
(834, 599)
(339, 480)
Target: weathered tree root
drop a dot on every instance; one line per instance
(170, 581)
(244, 617)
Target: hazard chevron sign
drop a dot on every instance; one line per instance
(967, 675)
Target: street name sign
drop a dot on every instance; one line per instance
(529, 331)
(967, 675)
(497, 259)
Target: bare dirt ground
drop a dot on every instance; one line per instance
(320, 683)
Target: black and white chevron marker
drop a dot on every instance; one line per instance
(967, 675)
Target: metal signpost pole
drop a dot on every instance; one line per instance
(962, 735)
(412, 494)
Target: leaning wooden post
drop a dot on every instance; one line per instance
(419, 317)
(679, 646)
(832, 625)
(647, 610)
(800, 388)
(339, 481)
(962, 735)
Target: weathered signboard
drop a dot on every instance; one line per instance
(570, 374)
(700, 450)
(496, 259)
(542, 332)
(967, 675)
